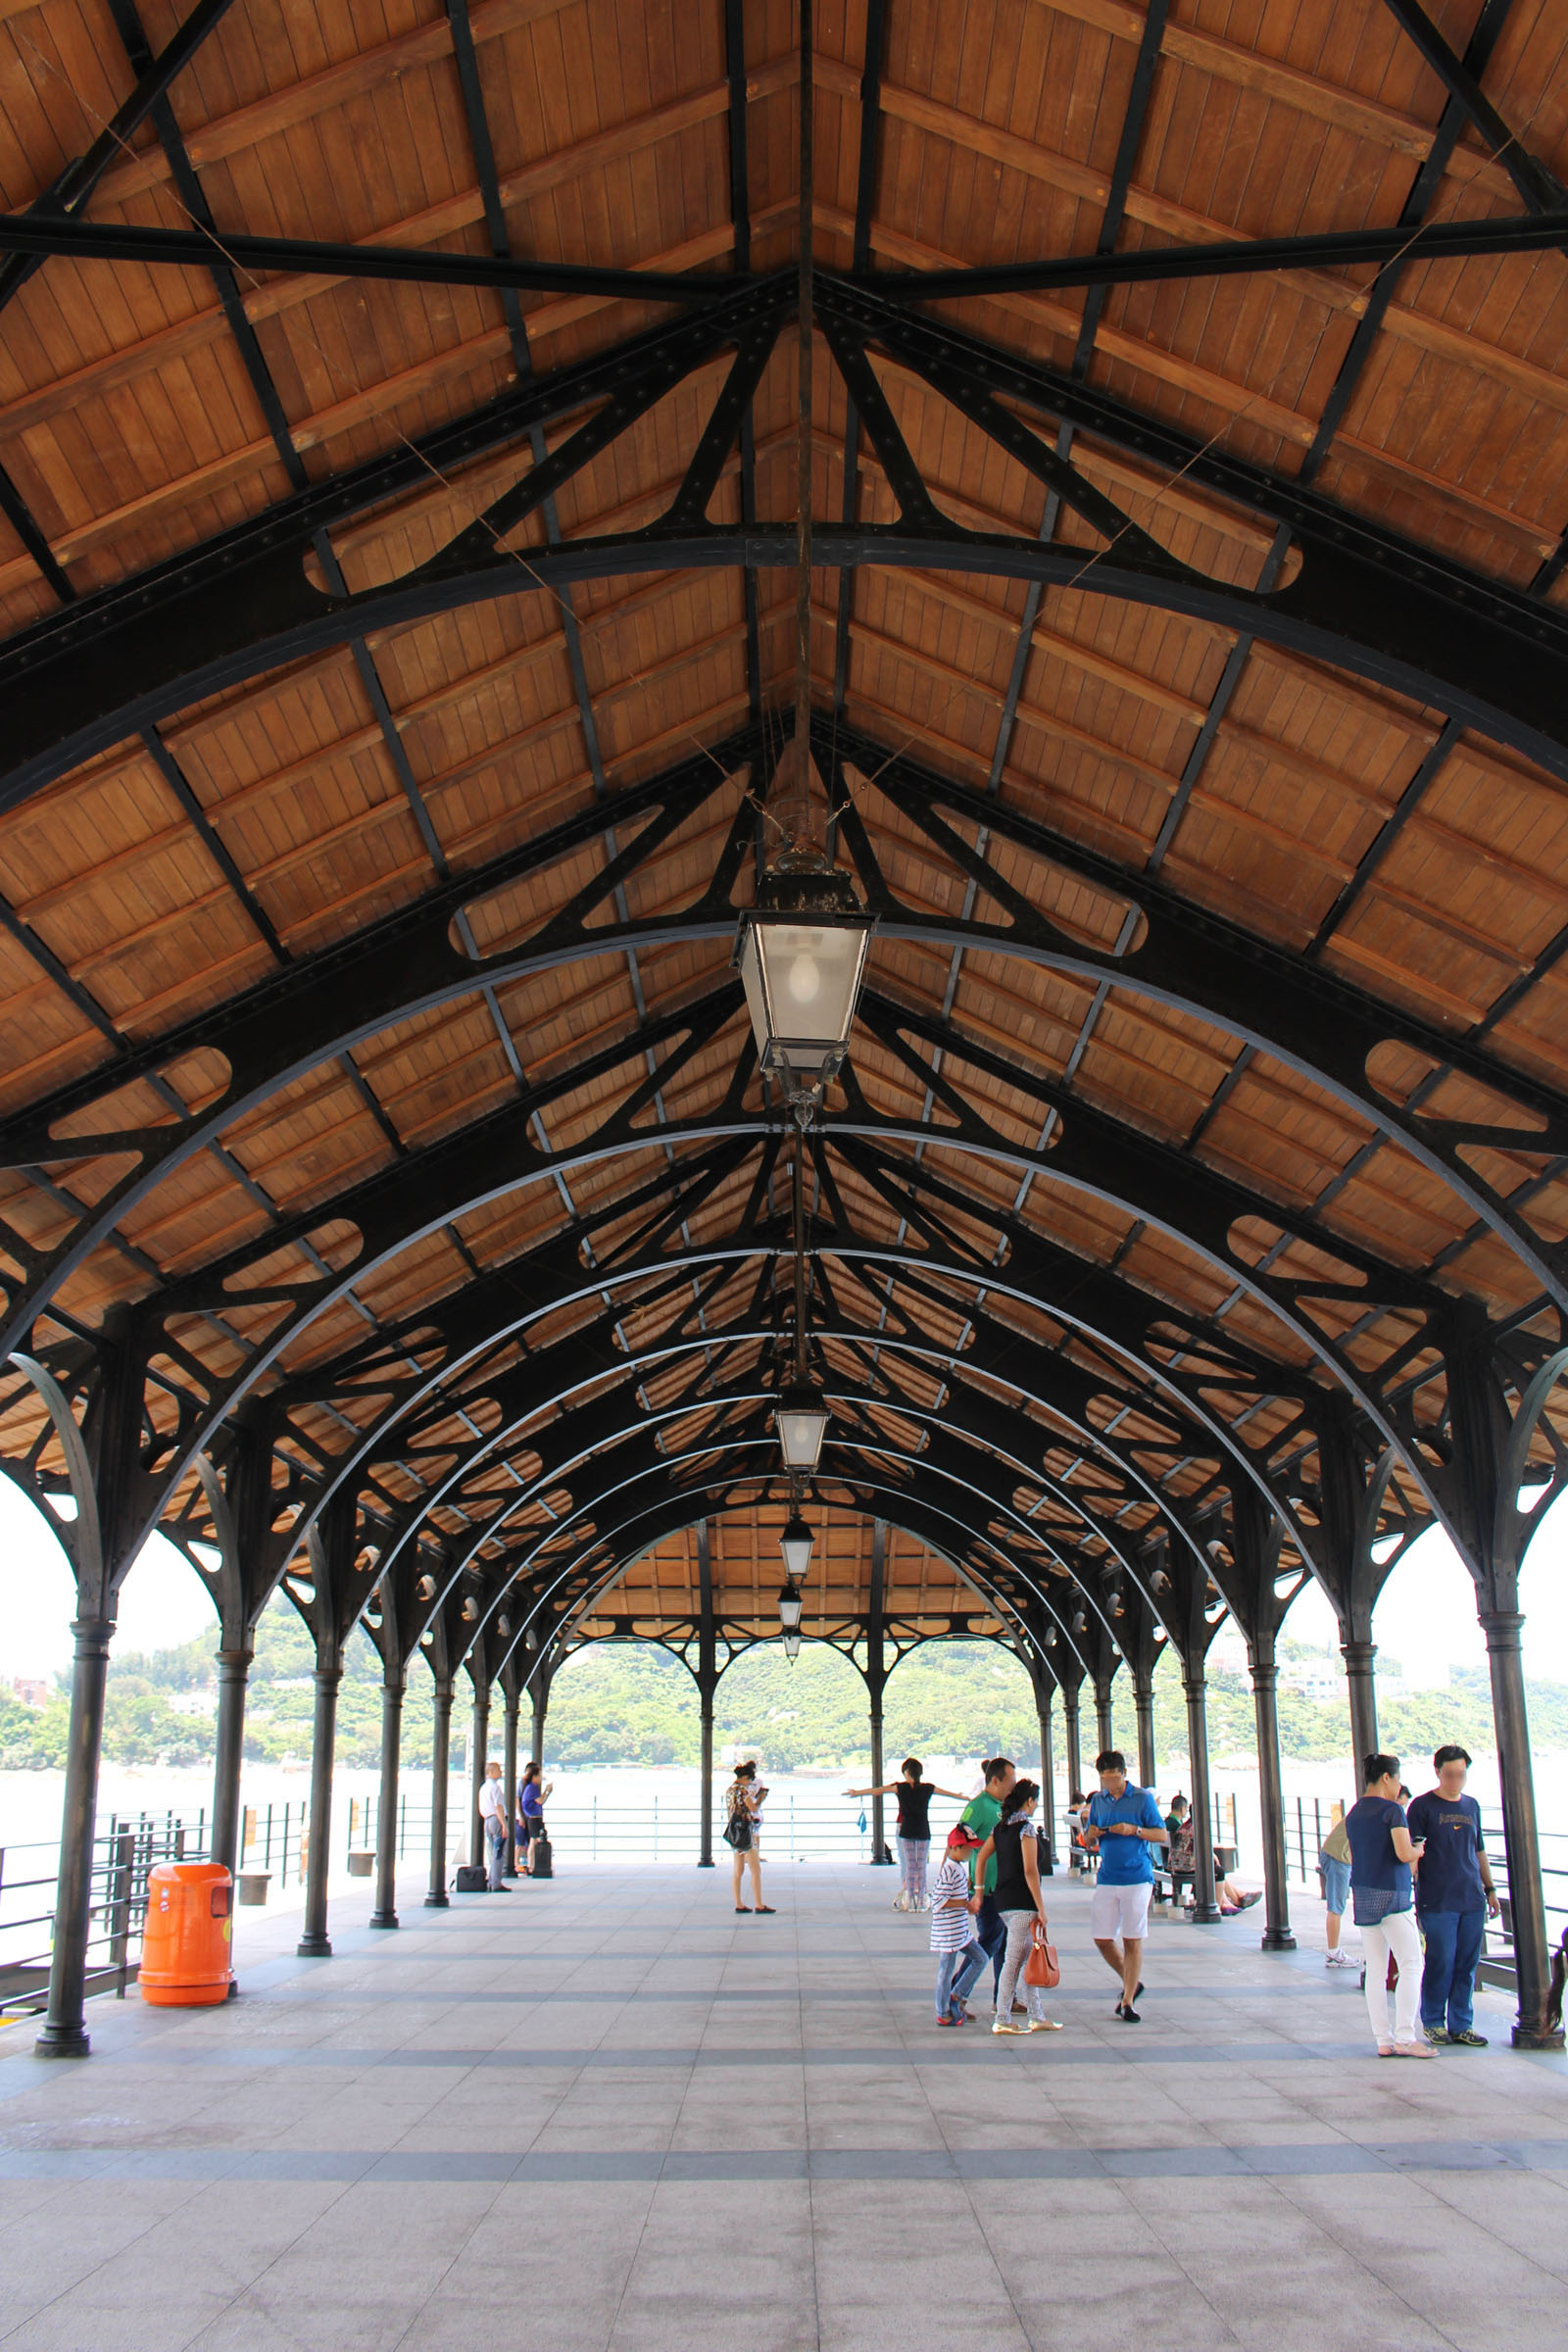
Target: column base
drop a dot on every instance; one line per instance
(881, 1862)
(707, 1862)
(63, 2041)
(1206, 1915)
(382, 1919)
(1278, 1940)
(314, 1947)
(1537, 2037)
(438, 1902)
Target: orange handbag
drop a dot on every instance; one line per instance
(1041, 1966)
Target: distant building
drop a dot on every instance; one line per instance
(31, 1693)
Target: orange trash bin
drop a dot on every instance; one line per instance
(187, 1942)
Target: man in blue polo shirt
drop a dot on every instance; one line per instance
(1123, 1823)
(1453, 1896)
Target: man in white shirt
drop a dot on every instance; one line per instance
(493, 1814)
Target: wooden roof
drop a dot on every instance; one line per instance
(1156, 1225)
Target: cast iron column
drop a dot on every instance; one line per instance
(541, 1709)
(705, 1860)
(706, 1684)
(233, 1672)
(1359, 1657)
(1204, 1907)
(1526, 1902)
(314, 1944)
(64, 2033)
(1075, 1767)
(385, 1914)
(1144, 1704)
(1048, 1772)
(480, 1757)
(440, 1771)
(876, 1680)
(1102, 1718)
(1277, 1936)
(509, 1773)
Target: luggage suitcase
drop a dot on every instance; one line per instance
(540, 1855)
(471, 1879)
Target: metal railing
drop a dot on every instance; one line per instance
(125, 1853)
(276, 1838)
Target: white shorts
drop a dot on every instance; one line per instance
(1119, 1911)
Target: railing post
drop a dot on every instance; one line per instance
(65, 2031)
(509, 1776)
(122, 1853)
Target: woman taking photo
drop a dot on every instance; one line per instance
(743, 1832)
(530, 1813)
(1016, 1842)
(1381, 1898)
(914, 1827)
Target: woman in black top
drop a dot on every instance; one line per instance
(1016, 1842)
(914, 1827)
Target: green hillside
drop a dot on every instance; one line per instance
(625, 1704)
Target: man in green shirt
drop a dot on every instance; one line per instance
(982, 1814)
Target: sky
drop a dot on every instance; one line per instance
(1425, 1622)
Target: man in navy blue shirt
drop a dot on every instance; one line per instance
(1453, 1898)
(1124, 1821)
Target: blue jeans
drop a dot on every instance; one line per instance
(956, 1976)
(1448, 1978)
(1335, 1883)
(992, 1929)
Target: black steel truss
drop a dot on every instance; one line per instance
(242, 603)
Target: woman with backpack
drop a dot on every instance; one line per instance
(743, 1830)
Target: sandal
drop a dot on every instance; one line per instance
(746, 1907)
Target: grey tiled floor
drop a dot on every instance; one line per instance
(608, 2114)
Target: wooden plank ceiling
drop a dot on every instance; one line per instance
(142, 409)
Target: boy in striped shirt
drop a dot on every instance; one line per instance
(961, 1955)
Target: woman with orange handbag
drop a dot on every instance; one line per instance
(1015, 1842)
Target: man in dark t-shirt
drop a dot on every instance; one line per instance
(1453, 1898)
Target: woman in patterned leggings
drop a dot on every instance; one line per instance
(914, 1827)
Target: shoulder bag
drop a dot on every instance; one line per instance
(1042, 1968)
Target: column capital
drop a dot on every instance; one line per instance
(1196, 1686)
(92, 1635)
(327, 1678)
(234, 1664)
(1358, 1653)
(1265, 1674)
(1502, 1628)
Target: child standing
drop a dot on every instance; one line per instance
(961, 1955)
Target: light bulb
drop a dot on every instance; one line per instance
(806, 980)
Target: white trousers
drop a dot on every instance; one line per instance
(1396, 1935)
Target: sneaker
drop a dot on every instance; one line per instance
(1338, 1960)
(1437, 2034)
(1007, 2026)
(1128, 2014)
(1469, 2039)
